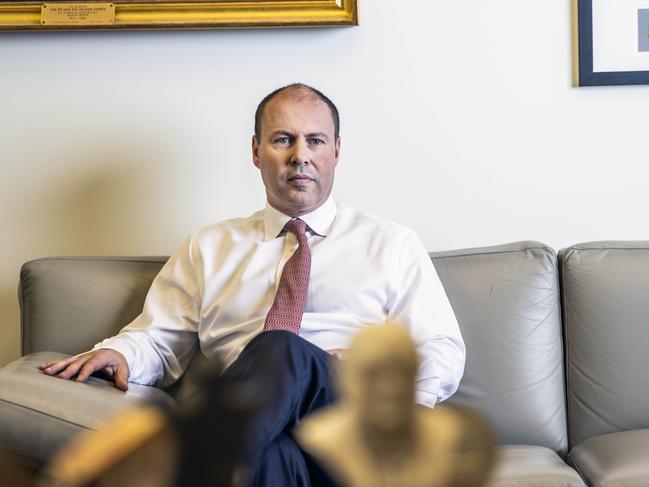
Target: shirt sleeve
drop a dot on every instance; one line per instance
(421, 304)
(159, 343)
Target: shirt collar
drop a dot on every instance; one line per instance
(318, 221)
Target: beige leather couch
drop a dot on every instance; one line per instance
(558, 355)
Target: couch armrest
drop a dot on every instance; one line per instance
(39, 414)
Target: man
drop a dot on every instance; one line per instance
(225, 290)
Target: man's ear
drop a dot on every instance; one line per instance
(337, 149)
(255, 151)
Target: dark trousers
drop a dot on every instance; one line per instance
(298, 380)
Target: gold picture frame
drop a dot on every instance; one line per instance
(165, 14)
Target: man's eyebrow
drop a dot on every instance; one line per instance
(282, 132)
(321, 135)
(310, 135)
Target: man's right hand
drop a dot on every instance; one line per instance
(109, 362)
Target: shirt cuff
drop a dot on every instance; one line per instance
(425, 398)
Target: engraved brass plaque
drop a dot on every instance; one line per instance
(63, 14)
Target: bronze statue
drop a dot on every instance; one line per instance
(377, 436)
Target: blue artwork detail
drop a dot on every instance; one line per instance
(643, 29)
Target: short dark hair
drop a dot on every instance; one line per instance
(259, 113)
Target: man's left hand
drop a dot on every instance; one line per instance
(338, 353)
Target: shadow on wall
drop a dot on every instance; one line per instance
(102, 207)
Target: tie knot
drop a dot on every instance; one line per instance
(296, 227)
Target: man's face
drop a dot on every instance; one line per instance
(296, 152)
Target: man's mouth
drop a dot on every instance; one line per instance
(300, 178)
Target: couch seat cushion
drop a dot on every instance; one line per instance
(39, 413)
(532, 466)
(614, 459)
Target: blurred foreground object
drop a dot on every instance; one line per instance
(138, 449)
(200, 445)
(376, 436)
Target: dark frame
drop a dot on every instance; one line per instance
(584, 40)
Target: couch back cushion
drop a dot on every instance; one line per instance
(69, 304)
(605, 297)
(506, 300)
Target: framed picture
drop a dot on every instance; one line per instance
(180, 14)
(611, 42)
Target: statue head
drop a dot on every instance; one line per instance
(377, 379)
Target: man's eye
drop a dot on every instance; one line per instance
(282, 140)
(315, 141)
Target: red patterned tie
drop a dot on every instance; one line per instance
(288, 306)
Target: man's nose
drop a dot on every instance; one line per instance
(300, 155)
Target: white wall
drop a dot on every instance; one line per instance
(459, 120)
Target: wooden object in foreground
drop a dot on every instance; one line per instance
(137, 449)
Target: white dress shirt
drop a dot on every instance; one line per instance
(215, 291)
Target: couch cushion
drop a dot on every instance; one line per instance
(605, 288)
(39, 413)
(531, 466)
(69, 304)
(506, 300)
(615, 459)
